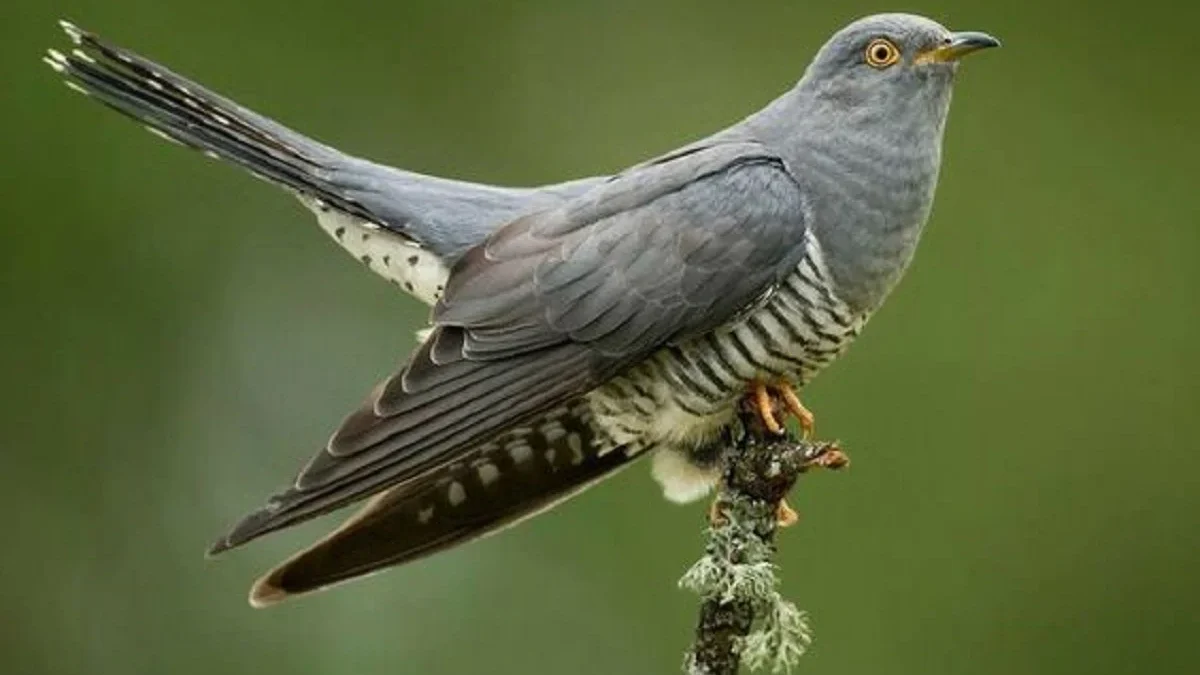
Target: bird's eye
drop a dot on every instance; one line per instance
(882, 53)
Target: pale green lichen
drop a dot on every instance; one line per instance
(716, 575)
(737, 566)
(780, 639)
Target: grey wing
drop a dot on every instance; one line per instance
(554, 304)
(674, 249)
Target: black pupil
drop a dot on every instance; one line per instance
(882, 53)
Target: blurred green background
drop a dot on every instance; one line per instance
(177, 338)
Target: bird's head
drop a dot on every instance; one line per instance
(888, 62)
(863, 129)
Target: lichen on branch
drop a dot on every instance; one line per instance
(743, 616)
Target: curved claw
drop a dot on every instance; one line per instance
(764, 398)
(766, 408)
(785, 515)
(794, 406)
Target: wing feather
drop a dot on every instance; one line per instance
(555, 303)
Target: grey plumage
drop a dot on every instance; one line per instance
(580, 325)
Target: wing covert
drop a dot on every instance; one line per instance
(694, 240)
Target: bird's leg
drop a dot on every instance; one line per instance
(714, 512)
(765, 407)
(794, 406)
(765, 401)
(785, 515)
(764, 398)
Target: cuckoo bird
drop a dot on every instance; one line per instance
(581, 325)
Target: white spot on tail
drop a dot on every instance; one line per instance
(575, 442)
(520, 452)
(456, 494)
(55, 60)
(552, 431)
(488, 473)
(164, 135)
(425, 515)
(71, 30)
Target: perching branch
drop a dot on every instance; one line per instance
(743, 617)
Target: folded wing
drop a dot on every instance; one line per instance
(551, 306)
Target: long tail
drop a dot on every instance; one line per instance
(185, 112)
(445, 217)
(524, 472)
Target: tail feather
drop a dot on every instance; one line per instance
(186, 112)
(517, 477)
(445, 217)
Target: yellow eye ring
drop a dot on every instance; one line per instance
(882, 53)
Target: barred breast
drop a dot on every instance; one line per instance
(678, 400)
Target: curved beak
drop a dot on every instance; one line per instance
(957, 46)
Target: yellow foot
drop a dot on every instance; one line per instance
(765, 398)
(714, 512)
(794, 406)
(765, 407)
(785, 515)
